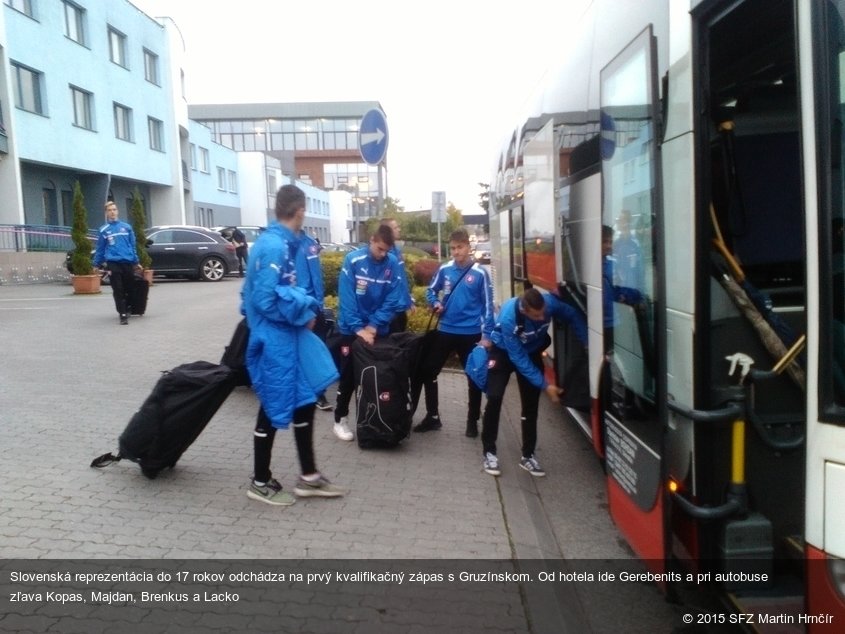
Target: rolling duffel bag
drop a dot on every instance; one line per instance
(137, 294)
(181, 404)
(382, 374)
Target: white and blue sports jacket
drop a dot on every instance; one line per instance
(468, 299)
(370, 292)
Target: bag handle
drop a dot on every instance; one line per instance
(105, 460)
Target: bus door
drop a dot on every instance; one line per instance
(542, 257)
(822, 39)
(632, 427)
(741, 503)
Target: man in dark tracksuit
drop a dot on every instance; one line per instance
(116, 251)
(519, 338)
(461, 293)
(241, 249)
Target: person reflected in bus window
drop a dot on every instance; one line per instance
(518, 340)
(612, 292)
(628, 254)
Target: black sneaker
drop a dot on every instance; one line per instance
(429, 423)
(323, 404)
(472, 429)
(124, 319)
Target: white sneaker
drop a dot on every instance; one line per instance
(341, 429)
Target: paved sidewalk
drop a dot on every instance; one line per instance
(72, 377)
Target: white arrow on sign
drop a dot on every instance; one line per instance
(370, 137)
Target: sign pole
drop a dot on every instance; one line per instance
(438, 215)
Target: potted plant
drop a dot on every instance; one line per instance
(139, 226)
(85, 281)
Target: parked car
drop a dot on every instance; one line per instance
(195, 252)
(335, 247)
(251, 233)
(184, 250)
(482, 252)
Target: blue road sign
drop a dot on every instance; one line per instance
(373, 137)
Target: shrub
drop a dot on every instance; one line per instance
(331, 263)
(424, 270)
(139, 226)
(81, 258)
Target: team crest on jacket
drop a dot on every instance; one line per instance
(384, 396)
(491, 364)
(344, 350)
(470, 278)
(313, 249)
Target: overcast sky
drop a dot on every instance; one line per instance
(452, 76)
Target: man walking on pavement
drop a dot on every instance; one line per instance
(116, 252)
(288, 364)
(519, 338)
(461, 294)
(371, 290)
(241, 249)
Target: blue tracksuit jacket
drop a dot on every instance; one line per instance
(611, 293)
(468, 299)
(370, 293)
(521, 342)
(408, 300)
(115, 243)
(310, 276)
(287, 363)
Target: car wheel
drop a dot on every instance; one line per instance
(212, 269)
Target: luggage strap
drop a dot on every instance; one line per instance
(105, 460)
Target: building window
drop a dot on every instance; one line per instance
(24, 6)
(83, 108)
(194, 157)
(204, 160)
(122, 122)
(75, 22)
(233, 182)
(221, 179)
(27, 86)
(117, 48)
(151, 67)
(156, 129)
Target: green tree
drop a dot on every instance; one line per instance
(139, 226)
(81, 258)
(392, 208)
(484, 197)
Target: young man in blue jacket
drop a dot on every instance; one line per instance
(116, 252)
(461, 293)
(311, 280)
(519, 338)
(288, 365)
(371, 290)
(400, 321)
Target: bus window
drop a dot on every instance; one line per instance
(629, 204)
(832, 356)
